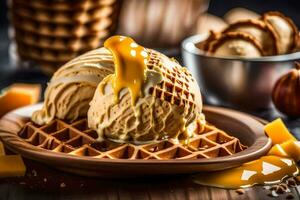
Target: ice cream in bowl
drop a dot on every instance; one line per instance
(251, 54)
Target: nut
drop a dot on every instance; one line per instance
(240, 191)
(290, 196)
(291, 182)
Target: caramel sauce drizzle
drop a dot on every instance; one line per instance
(278, 164)
(130, 61)
(266, 170)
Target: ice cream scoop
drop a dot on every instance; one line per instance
(72, 87)
(236, 44)
(238, 14)
(285, 29)
(150, 97)
(263, 32)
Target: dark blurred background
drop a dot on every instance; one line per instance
(216, 7)
(290, 8)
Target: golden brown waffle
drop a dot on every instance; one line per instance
(65, 5)
(48, 67)
(77, 139)
(62, 30)
(175, 88)
(30, 52)
(51, 32)
(57, 43)
(63, 17)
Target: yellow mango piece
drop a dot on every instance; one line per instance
(292, 148)
(18, 95)
(2, 151)
(277, 150)
(12, 166)
(278, 132)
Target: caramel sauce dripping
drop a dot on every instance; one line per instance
(130, 65)
(270, 169)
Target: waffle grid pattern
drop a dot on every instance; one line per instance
(50, 55)
(64, 5)
(56, 43)
(62, 17)
(175, 87)
(62, 30)
(77, 139)
(50, 33)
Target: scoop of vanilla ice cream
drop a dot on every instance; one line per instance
(236, 44)
(285, 29)
(237, 47)
(169, 108)
(262, 32)
(72, 87)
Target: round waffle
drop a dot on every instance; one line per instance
(57, 43)
(49, 60)
(46, 54)
(73, 147)
(286, 44)
(263, 32)
(65, 5)
(78, 139)
(51, 32)
(62, 17)
(213, 46)
(61, 30)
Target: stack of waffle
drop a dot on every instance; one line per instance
(52, 32)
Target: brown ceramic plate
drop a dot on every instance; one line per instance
(246, 128)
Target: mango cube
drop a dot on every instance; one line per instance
(18, 95)
(278, 132)
(277, 150)
(12, 166)
(292, 148)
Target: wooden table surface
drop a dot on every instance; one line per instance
(42, 182)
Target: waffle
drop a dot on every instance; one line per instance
(77, 139)
(51, 32)
(62, 17)
(65, 5)
(263, 32)
(56, 43)
(62, 30)
(29, 52)
(175, 87)
(49, 60)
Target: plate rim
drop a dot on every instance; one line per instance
(249, 154)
